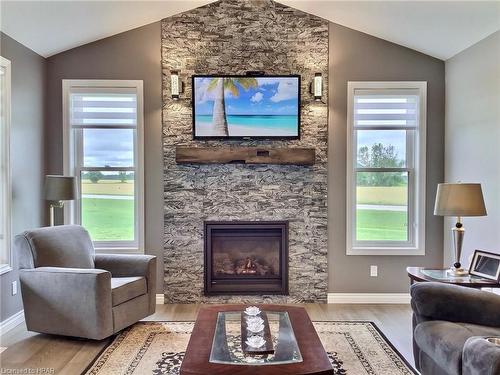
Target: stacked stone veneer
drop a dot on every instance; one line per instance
(232, 37)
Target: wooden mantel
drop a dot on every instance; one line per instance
(244, 155)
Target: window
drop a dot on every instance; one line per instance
(104, 150)
(386, 168)
(5, 187)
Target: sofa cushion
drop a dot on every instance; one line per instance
(444, 341)
(428, 366)
(124, 289)
(60, 246)
(481, 357)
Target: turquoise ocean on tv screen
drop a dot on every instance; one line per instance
(280, 124)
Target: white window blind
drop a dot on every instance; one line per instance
(103, 108)
(392, 108)
(386, 168)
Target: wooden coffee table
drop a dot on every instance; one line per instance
(312, 358)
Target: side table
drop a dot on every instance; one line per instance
(422, 274)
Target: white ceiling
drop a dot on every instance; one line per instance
(50, 27)
(437, 28)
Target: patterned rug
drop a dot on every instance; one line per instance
(158, 348)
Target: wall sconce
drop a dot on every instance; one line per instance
(316, 88)
(176, 85)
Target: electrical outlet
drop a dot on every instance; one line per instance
(14, 288)
(373, 271)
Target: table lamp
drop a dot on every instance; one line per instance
(459, 200)
(57, 190)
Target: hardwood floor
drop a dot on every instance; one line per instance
(27, 350)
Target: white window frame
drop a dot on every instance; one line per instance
(416, 179)
(5, 174)
(72, 210)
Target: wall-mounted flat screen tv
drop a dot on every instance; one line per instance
(246, 107)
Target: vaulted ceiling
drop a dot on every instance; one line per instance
(437, 28)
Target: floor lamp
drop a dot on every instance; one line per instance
(459, 200)
(57, 190)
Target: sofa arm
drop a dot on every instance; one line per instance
(480, 357)
(437, 301)
(126, 265)
(67, 301)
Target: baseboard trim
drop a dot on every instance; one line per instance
(11, 322)
(160, 299)
(375, 298)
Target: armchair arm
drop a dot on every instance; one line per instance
(437, 301)
(67, 301)
(126, 265)
(480, 357)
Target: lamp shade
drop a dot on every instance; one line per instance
(60, 188)
(459, 200)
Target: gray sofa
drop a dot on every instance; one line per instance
(449, 326)
(69, 290)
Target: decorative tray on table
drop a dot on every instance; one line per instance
(255, 332)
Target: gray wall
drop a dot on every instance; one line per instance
(134, 54)
(473, 129)
(27, 160)
(355, 56)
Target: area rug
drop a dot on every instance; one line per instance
(157, 348)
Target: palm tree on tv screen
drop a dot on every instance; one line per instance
(219, 85)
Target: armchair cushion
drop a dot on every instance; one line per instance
(121, 265)
(444, 341)
(124, 289)
(61, 246)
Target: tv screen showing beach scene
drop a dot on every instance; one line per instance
(246, 106)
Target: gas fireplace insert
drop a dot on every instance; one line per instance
(246, 257)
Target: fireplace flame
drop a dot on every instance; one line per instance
(250, 267)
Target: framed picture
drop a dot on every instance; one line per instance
(486, 265)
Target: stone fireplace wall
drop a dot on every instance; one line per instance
(232, 37)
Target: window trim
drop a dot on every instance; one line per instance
(7, 267)
(416, 195)
(70, 208)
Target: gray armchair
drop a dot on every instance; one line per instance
(69, 290)
(449, 326)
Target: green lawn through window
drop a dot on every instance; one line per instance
(108, 209)
(375, 225)
(381, 217)
(108, 219)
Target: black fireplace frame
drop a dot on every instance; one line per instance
(242, 285)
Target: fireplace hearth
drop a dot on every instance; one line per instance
(244, 257)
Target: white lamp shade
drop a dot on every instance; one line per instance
(60, 188)
(459, 200)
